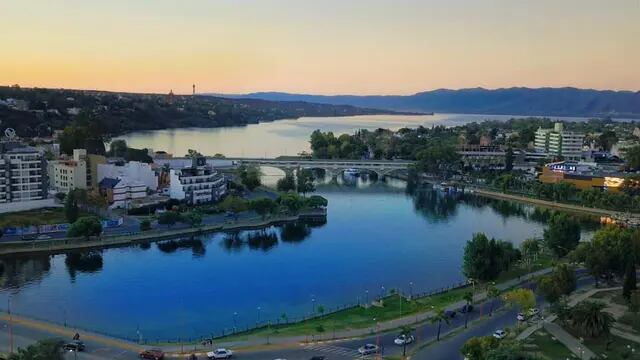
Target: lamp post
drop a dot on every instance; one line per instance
(258, 317)
(411, 289)
(366, 298)
(235, 321)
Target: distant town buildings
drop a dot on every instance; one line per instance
(558, 142)
(196, 184)
(67, 175)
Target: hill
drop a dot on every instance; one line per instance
(509, 101)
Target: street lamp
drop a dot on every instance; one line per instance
(258, 318)
(411, 289)
(235, 321)
(367, 297)
(313, 306)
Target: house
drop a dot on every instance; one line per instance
(196, 184)
(121, 193)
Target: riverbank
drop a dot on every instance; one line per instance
(65, 244)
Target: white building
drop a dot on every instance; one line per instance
(24, 176)
(196, 184)
(131, 172)
(67, 175)
(3, 181)
(121, 192)
(558, 142)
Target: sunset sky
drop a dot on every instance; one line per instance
(319, 46)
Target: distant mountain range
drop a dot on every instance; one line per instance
(565, 101)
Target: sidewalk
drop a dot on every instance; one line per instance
(573, 344)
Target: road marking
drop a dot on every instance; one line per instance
(332, 349)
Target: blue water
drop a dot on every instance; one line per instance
(375, 236)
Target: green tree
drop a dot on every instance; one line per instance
(250, 177)
(305, 181)
(50, 349)
(523, 298)
(193, 218)
(484, 259)
(438, 159)
(168, 218)
(71, 206)
(407, 332)
(492, 293)
(291, 201)
(634, 302)
(145, 225)
(632, 155)
(118, 148)
(561, 282)
(477, 348)
(530, 249)
(508, 159)
(468, 297)
(263, 206)
(287, 183)
(439, 317)
(590, 319)
(563, 234)
(234, 203)
(85, 226)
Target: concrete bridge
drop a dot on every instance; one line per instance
(332, 167)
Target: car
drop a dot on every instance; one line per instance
(220, 354)
(533, 312)
(466, 308)
(368, 349)
(317, 358)
(75, 345)
(521, 317)
(499, 334)
(153, 354)
(43, 237)
(403, 339)
(450, 313)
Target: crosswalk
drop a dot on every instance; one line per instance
(337, 350)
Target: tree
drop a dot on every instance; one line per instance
(477, 348)
(523, 298)
(250, 177)
(305, 181)
(193, 218)
(71, 208)
(492, 293)
(438, 159)
(632, 155)
(168, 218)
(287, 183)
(563, 234)
(234, 203)
(634, 302)
(118, 148)
(590, 319)
(508, 159)
(50, 349)
(559, 283)
(468, 297)
(484, 259)
(291, 201)
(145, 225)
(263, 206)
(85, 226)
(439, 317)
(317, 201)
(407, 332)
(530, 249)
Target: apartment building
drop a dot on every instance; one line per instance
(22, 177)
(558, 142)
(66, 175)
(196, 184)
(130, 171)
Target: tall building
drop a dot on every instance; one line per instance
(23, 176)
(558, 142)
(67, 175)
(196, 184)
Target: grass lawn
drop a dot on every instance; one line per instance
(631, 319)
(619, 348)
(543, 345)
(38, 217)
(544, 261)
(615, 296)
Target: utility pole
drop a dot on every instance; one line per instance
(10, 325)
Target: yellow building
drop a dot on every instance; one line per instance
(560, 172)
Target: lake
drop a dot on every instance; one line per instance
(284, 137)
(376, 236)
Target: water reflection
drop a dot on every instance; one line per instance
(83, 261)
(268, 238)
(196, 245)
(434, 205)
(295, 232)
(21, 270)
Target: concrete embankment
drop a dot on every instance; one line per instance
(65, 244)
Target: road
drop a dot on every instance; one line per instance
(447, 348)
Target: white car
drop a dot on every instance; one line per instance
(220, 354)
(404, 339)
(368, 349)
(521, 317)
(499, 334)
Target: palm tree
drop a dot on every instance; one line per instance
(438, 318)
(468, 297)
(590, 320)
(492, 294)
(406, 331)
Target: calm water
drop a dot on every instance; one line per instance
(283, 137)
(375, 236)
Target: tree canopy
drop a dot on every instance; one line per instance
(85, 226)
(484, 259)
(563, 234)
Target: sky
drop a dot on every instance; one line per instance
(319, 46)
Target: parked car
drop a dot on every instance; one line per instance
(466, 308)
(403, 339)
(499, 334)
(153, 354)
(450, 313)
(521, 317)
(220, 354)
(368, 349)
(75, 345)
(43, 237)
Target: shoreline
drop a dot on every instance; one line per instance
(65, 244)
